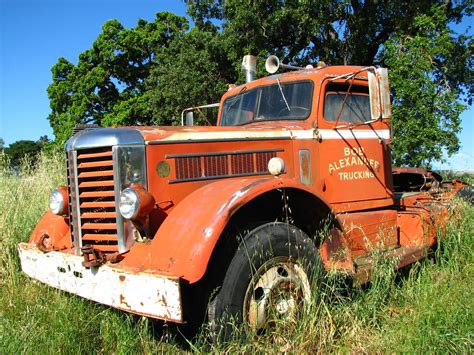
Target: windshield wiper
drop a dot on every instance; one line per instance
(343, 103)
(283, 95)
(235, 98)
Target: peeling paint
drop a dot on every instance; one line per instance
(124, 288)
(208, 232)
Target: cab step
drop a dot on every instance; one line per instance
(403, 256)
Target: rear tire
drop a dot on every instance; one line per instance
(275, 271)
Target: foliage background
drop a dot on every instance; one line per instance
(147, 74)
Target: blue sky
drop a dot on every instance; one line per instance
(35, 33)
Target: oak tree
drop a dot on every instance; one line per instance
(107, 86)
(192, 71)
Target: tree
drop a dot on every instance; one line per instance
(192, 71)
(21, 150)
(437, 61)
(107, 86)
(426, 104)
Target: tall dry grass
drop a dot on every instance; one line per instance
(426, 308)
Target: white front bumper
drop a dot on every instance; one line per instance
(143, 292)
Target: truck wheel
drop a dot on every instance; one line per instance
(275, 271)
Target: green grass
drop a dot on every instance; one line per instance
(428, 307)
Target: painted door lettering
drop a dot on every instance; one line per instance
(354, 157)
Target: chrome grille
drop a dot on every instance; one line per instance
(92, 199)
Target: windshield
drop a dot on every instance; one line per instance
(281, 101)
(355, 109)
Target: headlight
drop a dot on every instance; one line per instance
(276, 166)
(58, 200)
(135, 202)
(129, 203)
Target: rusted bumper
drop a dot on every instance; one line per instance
(145, 292)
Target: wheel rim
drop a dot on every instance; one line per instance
(278, 289)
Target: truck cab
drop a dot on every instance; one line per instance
(243, 218)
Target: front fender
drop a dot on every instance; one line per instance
(184, 242)
(51, 233)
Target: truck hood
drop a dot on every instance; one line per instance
(155, 135)
(111, 136)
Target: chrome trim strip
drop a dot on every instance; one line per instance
(117, 190)
(77, 217)
(125, 239)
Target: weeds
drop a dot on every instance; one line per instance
(424, 308)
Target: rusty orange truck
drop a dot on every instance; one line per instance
(242, 218)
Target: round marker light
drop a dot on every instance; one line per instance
(58, 201)
(276, 166)
(129, 203)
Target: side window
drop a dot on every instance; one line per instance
(343, 106)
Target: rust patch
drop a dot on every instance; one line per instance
(124, 302)
(305, 167)
(122, 278)
(163, 300)
(163, 169)
(415, 179)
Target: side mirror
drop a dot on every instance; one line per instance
(189, 118)
(379, 91)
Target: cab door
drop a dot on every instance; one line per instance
(355, 166)
(354, 158)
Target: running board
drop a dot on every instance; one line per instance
(403, 256)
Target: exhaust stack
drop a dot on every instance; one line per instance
(249, 67)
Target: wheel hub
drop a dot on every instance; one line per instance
(277, 290)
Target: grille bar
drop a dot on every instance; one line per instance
(87, 174)
(99, 237)
(95, 155)
(94, 215)
(96, 183)
(97, 226)
(98, 204)
(93, 194)
(94, 164)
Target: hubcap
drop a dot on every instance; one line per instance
(278, 289)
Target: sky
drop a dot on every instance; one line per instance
(35, 33)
